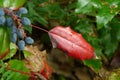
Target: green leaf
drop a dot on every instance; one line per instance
(82, 4)
(34, 16)
(27, 53)
(115, 26)
(2, 67)
(6, 74)
(104, 16)
(94, 64)
(28, 28)
(13, 4)
(4, 41)
(88, 6)
(84, 27)
(17, 65)
(104, 11)
(72, 6)
(13, 50)
(95, 43)
(107, 12)
(108, 40)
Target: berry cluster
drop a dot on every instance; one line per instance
(15, 20)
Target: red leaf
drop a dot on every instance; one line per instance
(71, 42)
(46, 71)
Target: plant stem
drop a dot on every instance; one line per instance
(39, 28)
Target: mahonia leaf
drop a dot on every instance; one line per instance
(71, 42)
(13, 4)
(17, 65)
(4, 41)
(94, 64)
(104, 11)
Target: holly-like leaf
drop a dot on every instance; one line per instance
(106, 14)
(94, 64)
(13, 4)
(87, 6)
(71, 42)
(104, 11)
(4, 41)
(18, 66)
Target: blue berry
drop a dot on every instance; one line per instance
(23, 10)
(2, 20)
(29, 40)
(13, 29)
(21, 45)
(14, 37)
(20, 33)
(2, 13)
(18, 14)
(9, 21)
(25, 21)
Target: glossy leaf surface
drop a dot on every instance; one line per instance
(104, 11)
(13, 4)
(71, 42)
(17, 65)
(94, 64)
(4, 41)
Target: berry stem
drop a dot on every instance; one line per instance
(39, 28)
(16, 19)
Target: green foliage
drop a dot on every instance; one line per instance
(13, 71)
(46, 11)
(4, 40)
(12, 3)
(104, 11)
(94, 64)
(2, 69)
(33, 14)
